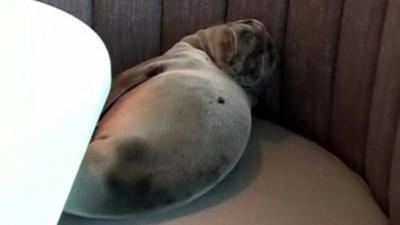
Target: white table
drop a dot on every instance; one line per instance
(54, 79)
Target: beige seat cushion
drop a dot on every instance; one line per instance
(283, 179)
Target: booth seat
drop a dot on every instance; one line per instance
(282, 179)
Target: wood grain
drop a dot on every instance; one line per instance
(385, 107)
(394, 193)
(273, 14)
(82, 9)
(130, 30)
(308, 66)
(181, 18)
(355, 73)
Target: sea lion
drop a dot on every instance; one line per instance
(175, 125)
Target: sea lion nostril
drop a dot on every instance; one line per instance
(248, 21)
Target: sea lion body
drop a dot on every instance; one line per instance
(178, 133)
(174, 126)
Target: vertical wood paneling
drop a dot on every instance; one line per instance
(394, 192)
(353, 107)
(82, 9)
(130, 30)
(309, 59)
(355, 72)
(385, 107)
(181, 18)
(273, 14)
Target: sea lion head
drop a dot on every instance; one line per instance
(244, 49)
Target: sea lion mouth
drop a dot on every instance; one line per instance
(254, 68)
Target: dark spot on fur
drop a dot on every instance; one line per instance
(133, 155)
(132, 151)
(114, 183)
(221, 100)
(137, 187)
(143, 185)
(155, 71)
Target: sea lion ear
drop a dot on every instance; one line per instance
(226, 47)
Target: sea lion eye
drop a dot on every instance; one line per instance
(247, 35)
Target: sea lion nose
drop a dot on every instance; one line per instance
(251, 22)
(247, 21)
(257, 25)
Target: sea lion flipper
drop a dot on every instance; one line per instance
(99, 156)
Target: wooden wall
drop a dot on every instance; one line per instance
(339, 77)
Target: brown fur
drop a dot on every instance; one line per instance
(193, 80)
(221, 43)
